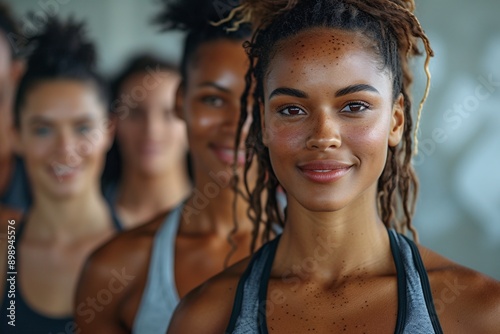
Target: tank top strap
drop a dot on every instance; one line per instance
(250, 299)
(416, 310)
(160, 296)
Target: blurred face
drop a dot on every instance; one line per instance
(64, 137)
(329, 119)
(9, 73)
(152, 138)
(211, 104)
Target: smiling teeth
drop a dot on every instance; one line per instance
(322, 170)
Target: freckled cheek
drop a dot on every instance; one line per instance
(368, 141)
(284, 139)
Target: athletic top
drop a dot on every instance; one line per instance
(160, 297)
(28, 320)
(110, 193)
(17, 195)
(416, 312)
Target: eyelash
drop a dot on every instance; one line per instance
(283, 108)
(362, 104)
(356, 103)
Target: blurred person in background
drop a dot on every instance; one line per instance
(146, 171)
(166, 258)
(14, 189)
(63, 134)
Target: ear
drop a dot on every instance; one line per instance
(265, 138)
(179, 101)
(397, 121)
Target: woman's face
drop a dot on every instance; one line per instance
(329, 118)
(152, 139)
(210, 104)
(63, 136)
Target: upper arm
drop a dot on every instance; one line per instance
(106, 282)
(206, 309)
(466, 301)
(98, 298)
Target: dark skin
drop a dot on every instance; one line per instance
(209, 102)
(350, 283)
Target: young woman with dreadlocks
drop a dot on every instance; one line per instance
(332, 125)
(169, 256)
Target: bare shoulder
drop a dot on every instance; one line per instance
(118, 268)
(207, 308)
(466, 301)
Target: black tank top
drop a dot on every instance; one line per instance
(27, 320)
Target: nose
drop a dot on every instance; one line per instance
(65, 142)
(231, 119)
(68, 149)
(153, 127)
(325, 133)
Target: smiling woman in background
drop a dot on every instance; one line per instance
(177, 251)
(332, 124)
(62, 132)
(146, 171)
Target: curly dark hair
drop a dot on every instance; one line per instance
(10, 28)
(195, 17)
(394, 31)
(61, 50)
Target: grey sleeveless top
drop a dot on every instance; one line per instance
(160, 297)
(416, 312)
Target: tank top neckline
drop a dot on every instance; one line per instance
(401, 285)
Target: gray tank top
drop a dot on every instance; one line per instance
(416, 312)
(160, 297)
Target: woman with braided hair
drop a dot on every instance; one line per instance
(332, 125)
(180, 249)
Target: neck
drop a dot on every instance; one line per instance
(68, 219)
(6, 168)
(142, 196)
(210, 207)
(351, 241)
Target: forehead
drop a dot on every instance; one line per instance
(162, 85)
(62, 99)
(329, 56)
(214, 59)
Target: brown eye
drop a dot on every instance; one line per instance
(213, 101)
(355, 107)
(292, 111)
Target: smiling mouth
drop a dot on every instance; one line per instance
(63, 172)
(324, 171)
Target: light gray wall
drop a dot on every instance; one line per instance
(459, 162)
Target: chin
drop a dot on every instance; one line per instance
(318, 204)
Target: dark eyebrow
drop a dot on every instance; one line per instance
(214, 85)
(354, 89)
(47, 121)
(289, 92)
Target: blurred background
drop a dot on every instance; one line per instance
(458, 213)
